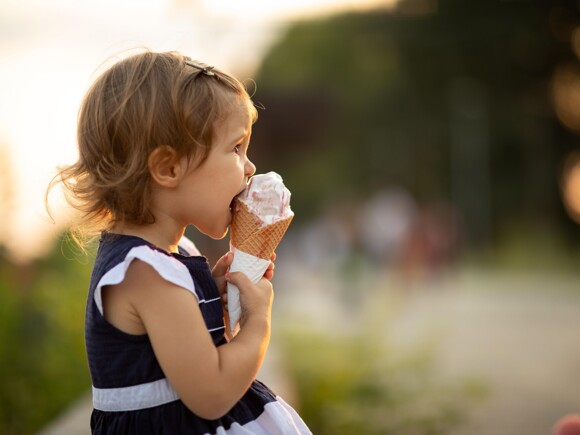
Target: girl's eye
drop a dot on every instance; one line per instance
(237, 149)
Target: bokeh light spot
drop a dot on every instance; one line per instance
(566, 96)
(571, 185)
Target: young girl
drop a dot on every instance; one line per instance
(163, 144)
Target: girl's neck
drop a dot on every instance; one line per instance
(154, 234)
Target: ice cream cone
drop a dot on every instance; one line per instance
(261, 215)
(248, 234)
(253, 246)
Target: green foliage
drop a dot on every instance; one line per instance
(353, 385)
(445, 105)
(42, 356)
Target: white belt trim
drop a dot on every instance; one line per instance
(135, 397)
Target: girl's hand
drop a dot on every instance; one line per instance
(255, 299)
(269, 274)
(221, 267)
(219, 271)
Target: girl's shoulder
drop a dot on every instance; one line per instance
(188, 247)
(117, 245)
(117, 252)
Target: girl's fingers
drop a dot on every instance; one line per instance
(269, 274)
(221, 266)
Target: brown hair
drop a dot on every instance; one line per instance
(143, 102)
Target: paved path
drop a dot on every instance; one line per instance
(519, 334)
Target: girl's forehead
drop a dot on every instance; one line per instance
(240, 110)
(237, 121)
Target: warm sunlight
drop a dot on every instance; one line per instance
(282, 10)
(51, 50)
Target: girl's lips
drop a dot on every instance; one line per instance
(232, 204)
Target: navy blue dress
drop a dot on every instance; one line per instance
(130, 392)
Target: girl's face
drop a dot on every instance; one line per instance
(212, 186)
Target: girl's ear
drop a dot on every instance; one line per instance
(165, 166)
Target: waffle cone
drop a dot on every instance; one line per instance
(248, 234)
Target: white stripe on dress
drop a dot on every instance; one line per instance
(135, 397)
(278, 418)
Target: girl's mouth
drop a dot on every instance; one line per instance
(233, 203)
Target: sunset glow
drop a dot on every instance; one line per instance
(50, 52)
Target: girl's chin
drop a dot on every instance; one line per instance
(220, 236)
(217, 233)
(217, 229)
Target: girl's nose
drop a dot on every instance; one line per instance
(250, 168)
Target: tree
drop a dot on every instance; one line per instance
(453, 104)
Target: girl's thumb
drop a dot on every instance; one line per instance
(221, 266)
(239, 279)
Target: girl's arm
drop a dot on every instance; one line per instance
(209, 380)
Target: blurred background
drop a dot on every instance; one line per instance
(430, 281)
